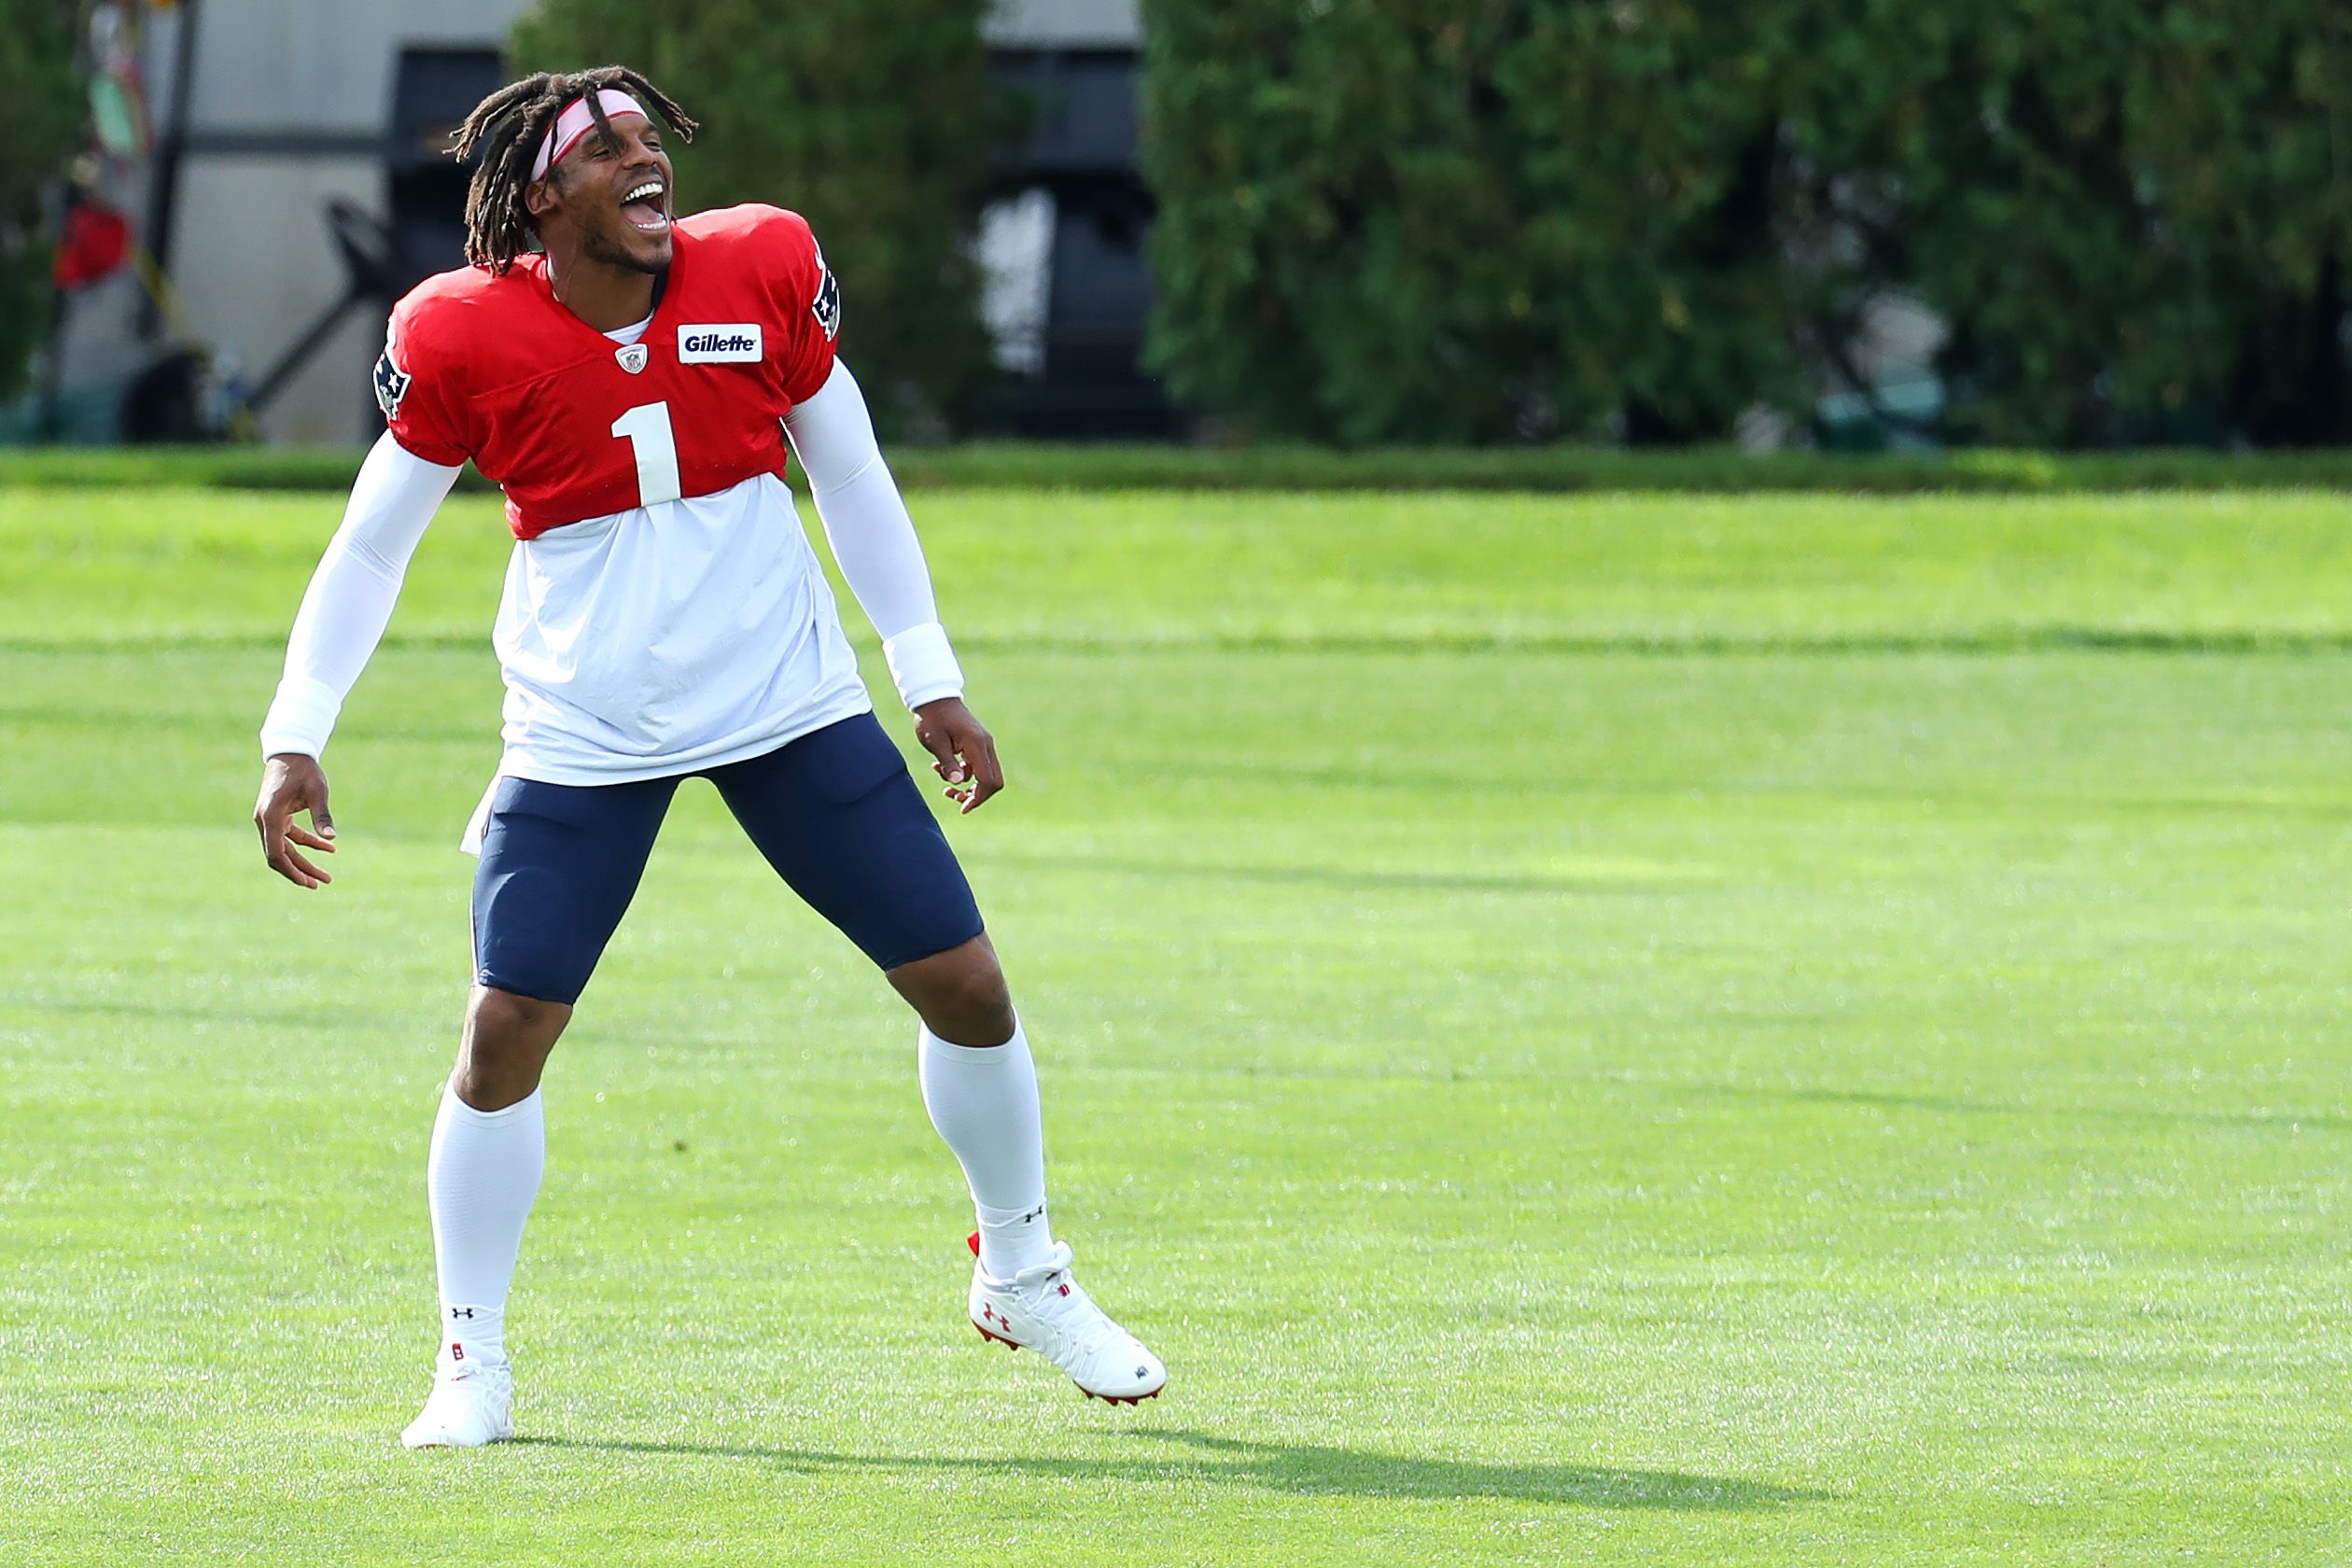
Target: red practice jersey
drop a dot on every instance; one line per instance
(571, 424)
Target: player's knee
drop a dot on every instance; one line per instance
(507, 1040)
(984, 1004)
(961, 995)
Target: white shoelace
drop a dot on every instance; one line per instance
(1038, 1274)
(1049, 1290)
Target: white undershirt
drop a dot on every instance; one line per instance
(657, 640)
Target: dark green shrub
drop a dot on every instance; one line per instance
(1438, 220)
(1415, 220)
(2134, 215)
(37, 58)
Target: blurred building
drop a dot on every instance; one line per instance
(1062, 241)
(290, 108)
(301, 171)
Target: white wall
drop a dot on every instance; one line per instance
(322, 64)
(1065, 24)
(251, 256)
(253, 267)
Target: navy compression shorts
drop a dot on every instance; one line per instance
(834, 812)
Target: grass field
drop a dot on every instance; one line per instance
(1629, 1030)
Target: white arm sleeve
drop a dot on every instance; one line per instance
(871, 537)
(351, 596)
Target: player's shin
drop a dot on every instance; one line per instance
(482, 1177)
(983, 1100)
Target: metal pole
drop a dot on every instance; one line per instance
(163, 178)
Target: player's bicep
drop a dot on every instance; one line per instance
(832, 432)
(825, 303)
(423, 409)
(810, 302)
(392, 502)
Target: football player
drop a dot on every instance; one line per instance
(632, 380)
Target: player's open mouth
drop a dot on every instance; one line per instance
(641, 206)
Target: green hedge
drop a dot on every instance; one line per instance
(1405, 220)
(1411, 220)
(2135, 216)
(878, 132)
(1008, 464)
(47, 106)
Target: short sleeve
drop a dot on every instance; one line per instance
(417, 386)
(808, 300)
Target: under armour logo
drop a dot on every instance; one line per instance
(461, 1312)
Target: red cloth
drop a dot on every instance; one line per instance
(95, 241)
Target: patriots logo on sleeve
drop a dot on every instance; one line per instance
(391, 385)
(827, 305)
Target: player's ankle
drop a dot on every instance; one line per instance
(1013, 1241)
(473, 1336)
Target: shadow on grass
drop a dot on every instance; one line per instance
(1341, 877)
(1300, 1469)
(1943, 1105)
(307, 1014)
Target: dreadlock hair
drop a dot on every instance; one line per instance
(506, 129)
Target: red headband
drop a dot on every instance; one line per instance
(576, 121)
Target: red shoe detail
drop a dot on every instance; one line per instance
(1119, 1398)
(973, 1242)
(1000, 1338)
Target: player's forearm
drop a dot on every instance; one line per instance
(350, 599)
(872, 538)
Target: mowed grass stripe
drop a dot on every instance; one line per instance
(1443, 570)
(1994, 640)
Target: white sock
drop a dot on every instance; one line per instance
(481, 1178)
(983, 1100)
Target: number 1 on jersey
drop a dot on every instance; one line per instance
(646, 429)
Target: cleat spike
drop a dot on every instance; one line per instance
(973, 1242)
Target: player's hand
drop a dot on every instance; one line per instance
(963, 753)
(291, 784)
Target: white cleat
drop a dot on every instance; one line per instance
(1044, 1310)
(472, 1403)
